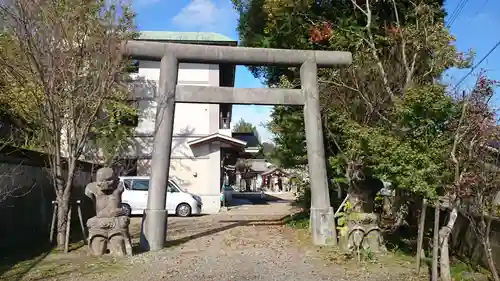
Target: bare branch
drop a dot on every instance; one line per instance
(373, 47)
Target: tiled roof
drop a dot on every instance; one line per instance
(183, 36)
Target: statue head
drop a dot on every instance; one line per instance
(106, 179)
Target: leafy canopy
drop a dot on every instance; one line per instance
(386, 115)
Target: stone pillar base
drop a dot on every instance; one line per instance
(153, 230)
(323, 227)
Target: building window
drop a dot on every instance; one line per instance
(224, 116)
(224, 123)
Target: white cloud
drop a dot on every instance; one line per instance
(258, 115)
(206, 15)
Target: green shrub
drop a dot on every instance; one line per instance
(304, 196)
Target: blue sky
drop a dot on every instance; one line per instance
(476, 27)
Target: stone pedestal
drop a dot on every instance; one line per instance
(323, 226)
(362, 232)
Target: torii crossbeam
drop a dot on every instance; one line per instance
(153, 230)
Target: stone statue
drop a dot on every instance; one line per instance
(361, 231)
(108, 230)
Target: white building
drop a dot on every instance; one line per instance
(202, 134)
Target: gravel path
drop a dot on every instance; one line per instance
(242, 244)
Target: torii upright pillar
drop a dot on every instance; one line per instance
(154, 225)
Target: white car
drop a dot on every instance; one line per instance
(179, 201)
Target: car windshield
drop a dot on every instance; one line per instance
(177, 186)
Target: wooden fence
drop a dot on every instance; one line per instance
(26, 210)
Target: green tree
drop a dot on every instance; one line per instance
(65, 58)
(391, 45)
(386, 116)
(243, 126)
(111, 133)
(16, 101)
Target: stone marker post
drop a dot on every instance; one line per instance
(154, 227)
(322, 219)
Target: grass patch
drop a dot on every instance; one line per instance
(458, 269)
(53, 263)
(20, 260)
(298, 220)
(392, 259)
(16, 270)
(397, 260)
(461, 271)
(61, 266)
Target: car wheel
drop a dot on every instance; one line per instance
(127, 209)
(183, 210)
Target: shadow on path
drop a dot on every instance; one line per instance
(15, 264)
(232, 224)
(255, 198)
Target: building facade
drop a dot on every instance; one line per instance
(202, 132)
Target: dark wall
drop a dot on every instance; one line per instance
(26, 207)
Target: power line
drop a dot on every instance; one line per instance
(457, 12)
(453, 14)
(477, 64)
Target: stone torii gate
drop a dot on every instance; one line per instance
(154, 223)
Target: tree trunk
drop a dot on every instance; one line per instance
(399, 210)
(435, 242)
(360, 216)
(444, 235)
(487, 250)
(62, 213)
(63, 201)
(356, 201)
(421, 229)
